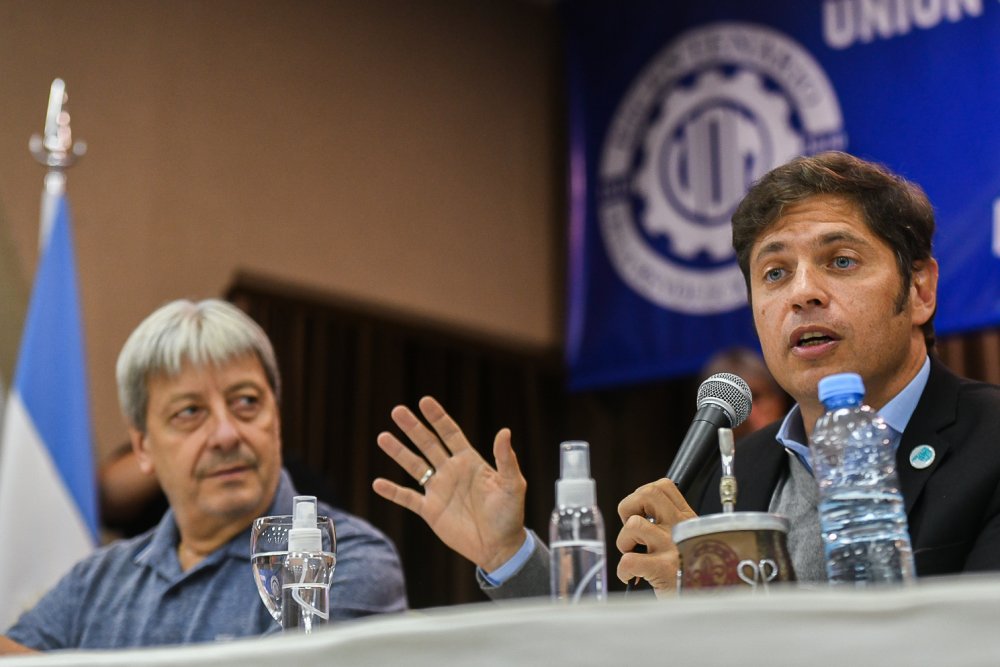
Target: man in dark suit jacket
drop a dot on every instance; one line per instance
(953, 505)
(836, 253)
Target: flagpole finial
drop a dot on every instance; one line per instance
(56, 149)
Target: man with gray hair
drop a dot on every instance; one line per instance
(199, 387)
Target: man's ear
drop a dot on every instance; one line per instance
(923, 290)
(140, 445)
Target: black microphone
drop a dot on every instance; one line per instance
(724, 401)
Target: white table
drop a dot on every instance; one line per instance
(944, 622)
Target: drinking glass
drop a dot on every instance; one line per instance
(295, 587)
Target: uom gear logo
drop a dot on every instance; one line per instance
(717, 108)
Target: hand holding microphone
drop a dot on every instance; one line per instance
(724, 400)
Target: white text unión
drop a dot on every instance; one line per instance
(846, 22)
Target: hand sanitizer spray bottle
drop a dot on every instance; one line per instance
(576, 532)
(307, 571)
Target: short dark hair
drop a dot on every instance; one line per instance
(894, 209)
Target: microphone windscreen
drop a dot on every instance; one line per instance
(729, 392)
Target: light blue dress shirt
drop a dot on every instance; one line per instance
(511, 567)
(896, 413)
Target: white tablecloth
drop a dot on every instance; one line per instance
(947, 622)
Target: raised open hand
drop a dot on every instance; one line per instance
(474, 508)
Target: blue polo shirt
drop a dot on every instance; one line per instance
(133, 592)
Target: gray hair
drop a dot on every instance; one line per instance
(207, 332)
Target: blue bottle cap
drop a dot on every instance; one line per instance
(841, 384)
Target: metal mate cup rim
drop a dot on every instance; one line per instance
(728, 522)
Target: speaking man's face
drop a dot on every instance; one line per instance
(827, 297)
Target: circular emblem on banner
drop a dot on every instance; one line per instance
(714, 110)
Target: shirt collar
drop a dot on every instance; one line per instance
(792, 436)
(239, 546)
(161, 552)
(896, 413)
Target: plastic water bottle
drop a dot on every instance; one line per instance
(306, 571)
(861, 512)
(576, 532)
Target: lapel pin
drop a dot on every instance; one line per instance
(922, 456)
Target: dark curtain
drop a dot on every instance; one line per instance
(344, 366)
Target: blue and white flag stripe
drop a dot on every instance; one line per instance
(48, 500)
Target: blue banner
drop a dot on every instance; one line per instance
(676, 107)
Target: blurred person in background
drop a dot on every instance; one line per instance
(770, 402)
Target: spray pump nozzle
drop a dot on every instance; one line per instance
(304, 535)
(575, 487)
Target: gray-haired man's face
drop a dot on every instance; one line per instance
(213, 440)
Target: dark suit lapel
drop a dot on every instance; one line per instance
(935, 410)
(760, 460)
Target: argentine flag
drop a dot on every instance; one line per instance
(48, 501)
